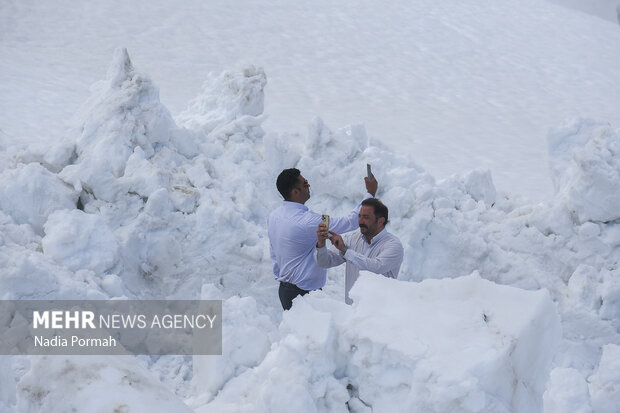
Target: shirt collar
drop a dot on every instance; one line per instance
(378, 237)
(294, 205)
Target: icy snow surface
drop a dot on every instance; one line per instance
(501, 305)
(453, 84)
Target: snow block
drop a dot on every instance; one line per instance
(467, 345)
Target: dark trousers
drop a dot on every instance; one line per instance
(287, 292)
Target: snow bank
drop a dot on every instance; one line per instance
(605, 383)
(467, 345)
(93, 384)
(161, 203)
(30, 193)
(122, 120)
(585, 165)
(225, 98)
(247, 336)
(7, 385)
(165, 209)
(567, 391)
(80, 241)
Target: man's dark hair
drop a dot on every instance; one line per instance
(379, 208)
(287, 180)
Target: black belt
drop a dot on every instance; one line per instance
(290, 285)
(285, 284)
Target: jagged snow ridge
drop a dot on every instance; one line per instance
(187, 209)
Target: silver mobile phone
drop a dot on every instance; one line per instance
(368, 171)
(325, 221)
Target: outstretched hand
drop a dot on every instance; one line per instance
(337, 241)
(371, 185)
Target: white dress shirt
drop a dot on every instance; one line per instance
(292, 240)
(384, 255)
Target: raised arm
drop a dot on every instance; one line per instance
(350, 222)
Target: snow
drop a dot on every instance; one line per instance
(604, 383)
(605, 9)
(456, 86)
(586, 169)
(31, 193)
(77, 241)
(501, 304)
(44, 387)
(467, 346)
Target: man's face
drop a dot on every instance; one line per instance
(304, 188)
(368, 222)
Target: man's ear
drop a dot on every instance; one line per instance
(382, 221)
(292, 194)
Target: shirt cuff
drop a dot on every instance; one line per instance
(347, 254)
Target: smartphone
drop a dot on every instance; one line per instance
(325, 221)
(368, 171)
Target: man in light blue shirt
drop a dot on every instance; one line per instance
(371, 249)
(292, 236)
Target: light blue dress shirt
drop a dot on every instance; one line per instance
(292, 240)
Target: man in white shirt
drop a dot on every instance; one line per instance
(372, 249)
(292, 236)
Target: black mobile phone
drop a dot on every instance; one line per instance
(368, 171)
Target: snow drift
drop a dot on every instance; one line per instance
(134, 204)
(463, 345)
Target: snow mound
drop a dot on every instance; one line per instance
(225, 98)
(161, 192)
(30, 193)
(469, 345)
(80, 241)
(122, 116)
(246, 340)
(605, 383)
(98, 384)
(585, 165)
(567, 391)
(164, 210)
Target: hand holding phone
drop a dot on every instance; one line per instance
(371, 182)
(325, 221)
(322, 232)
